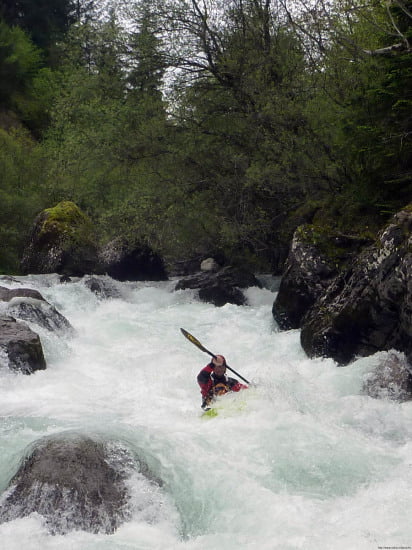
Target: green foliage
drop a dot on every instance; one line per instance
(21, 170)
(45, 21)
(372, 92)
(245, 144)
(19, 62)
(109, 134)
(262, 131)
(26, 86)
(69, 224)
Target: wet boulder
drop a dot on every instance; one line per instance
(103, 287)
(220, 287)
(315, 258)
(73, 481)
(39, 312)
(61, 241)
(6, 294)
(20, 347)
(131, 262)
(391, 379)
(368, 307)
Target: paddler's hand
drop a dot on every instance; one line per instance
(205, 405)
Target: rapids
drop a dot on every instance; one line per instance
(308, 462)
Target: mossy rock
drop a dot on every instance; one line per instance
(336, 248)
(62, 241)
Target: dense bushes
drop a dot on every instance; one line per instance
(197, 134)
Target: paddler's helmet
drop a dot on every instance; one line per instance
(219, 360)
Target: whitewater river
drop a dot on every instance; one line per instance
(301, 461)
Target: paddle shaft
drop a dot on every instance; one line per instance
(196, 342)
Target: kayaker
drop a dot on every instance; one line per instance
(213, 381)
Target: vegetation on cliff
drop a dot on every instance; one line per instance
(197, 131)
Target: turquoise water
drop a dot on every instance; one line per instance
(303, 460)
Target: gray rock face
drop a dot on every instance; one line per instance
(70, 481)
(314, 261)
(307, 275)
(368, 307)
(20, 347)
(221, 287)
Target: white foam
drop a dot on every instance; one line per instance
(308, 463)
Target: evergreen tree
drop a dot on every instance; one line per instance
(20, 60)
(25, 84)
(21, 194)
(369, 79)
(248, 149)
(45, 21)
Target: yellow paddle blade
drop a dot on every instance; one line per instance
(195, 341)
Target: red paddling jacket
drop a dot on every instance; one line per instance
(212, 385)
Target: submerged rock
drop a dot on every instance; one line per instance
(221, 287)
(72, 482)
(392, 379)
(20, 347)
(102, 287)
(9, 279)
(62, 241)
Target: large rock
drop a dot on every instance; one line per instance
(20, 347)
(39, 312)
(6, 294)
(28, 304)
(72, 482)
(126, 262)
(221, 287)
(315, 258)
(61, 241)
(104, 287)
(368, 307)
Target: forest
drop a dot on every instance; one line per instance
(205, 126)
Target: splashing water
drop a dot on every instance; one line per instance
(302, 460)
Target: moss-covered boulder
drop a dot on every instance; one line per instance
(62, 241)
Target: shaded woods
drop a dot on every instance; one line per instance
(205, 127)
